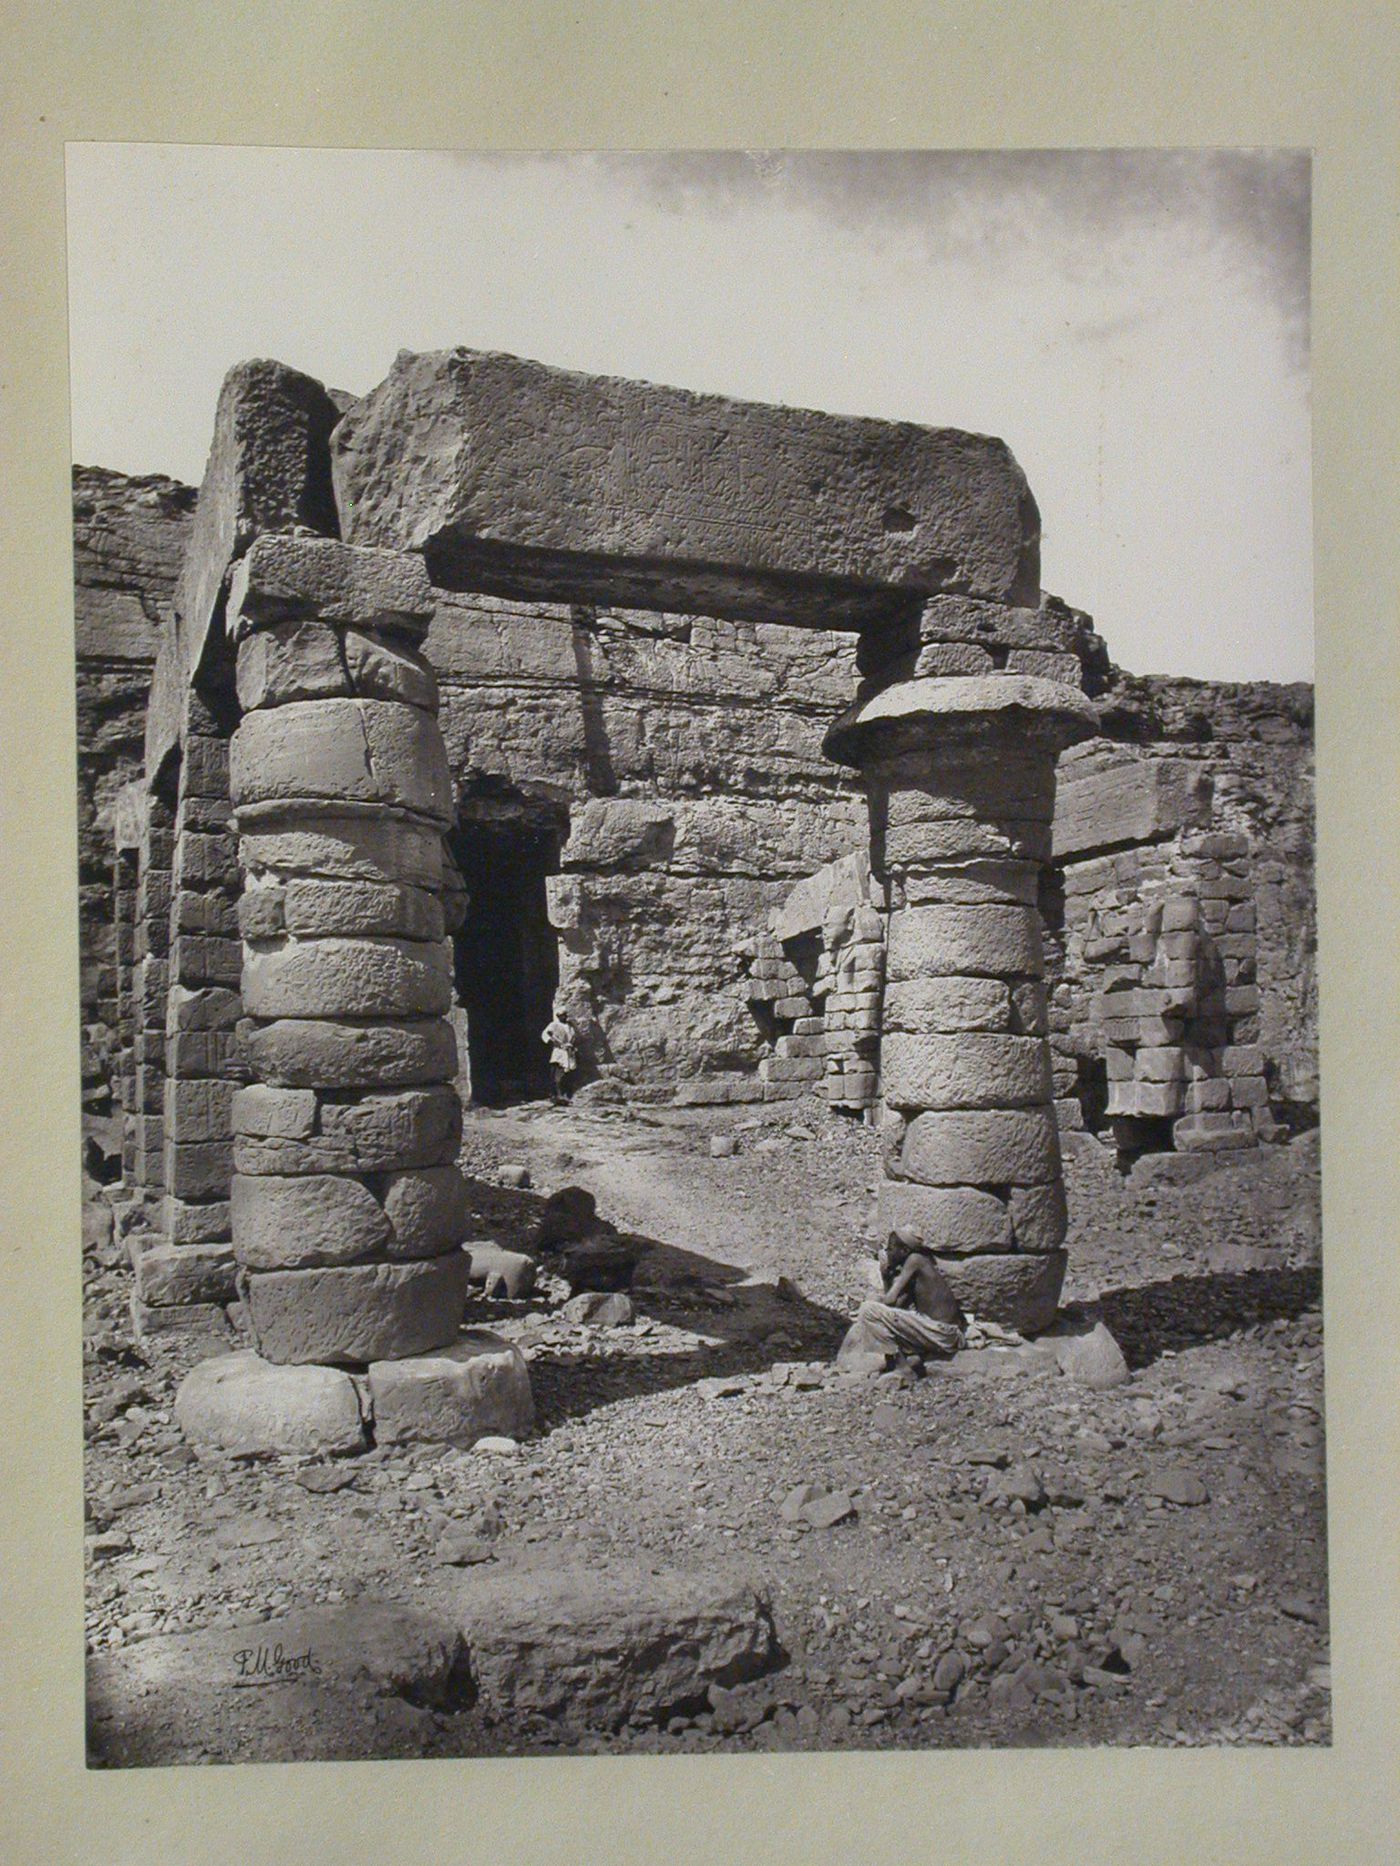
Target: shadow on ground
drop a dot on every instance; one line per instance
(748, 1326)
(1185, 1310)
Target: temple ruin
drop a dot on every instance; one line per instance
(734, 727)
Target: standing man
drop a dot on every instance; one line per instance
(562, 1038)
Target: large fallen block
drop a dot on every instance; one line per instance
(601, 1649)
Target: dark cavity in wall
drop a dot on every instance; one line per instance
(506, 952)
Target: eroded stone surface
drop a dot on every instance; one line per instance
(599, 1648)
(993, 1147)
(321, 1053)
(243, 1404)
(477, 1387)
(360, 1313)
(514, 476)
(1015, 1291)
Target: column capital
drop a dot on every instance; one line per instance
(913, 715)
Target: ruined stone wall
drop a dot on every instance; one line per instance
(683, 756)
(1185, 920)
(680, 760)
(128, 537)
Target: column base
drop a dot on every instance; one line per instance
(247, 1407)
(1015, 1289)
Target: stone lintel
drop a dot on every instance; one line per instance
(517, 479)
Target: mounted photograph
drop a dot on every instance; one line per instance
(698, 951)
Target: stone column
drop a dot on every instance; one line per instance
(960, 776)
(348, 1207)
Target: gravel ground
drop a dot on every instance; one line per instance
(1012, 1558)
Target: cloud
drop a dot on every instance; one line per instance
(1248, 209)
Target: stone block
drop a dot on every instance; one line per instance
(338, 978)
(344, 847)
(1088, 1356)
(1000, 1147)
(359, 909)
(1046, 665)
(1160, 1065)
(938, 658)
(274, 1113)
(489, 465)
(268, 470)
(204, 766)
(1138, 801)
(1249, 1092)
(318, 1053)
(1014, 1291)
(372, 1134)
(183, 1318)
(206, 860)
(964, 840)
(952, 1220)
(956, 618)
(289, 1221)
(508, 1273)
(198, 1109)
(941, 941)
(342, 751)
(1030, 1011)
(202, 1008)
(301, 660)
(194, 1054)
(969, 1070)
(1146, 1098)
(973, 883)
(243, 1405)
(601, 1647)
(947, 1004)
(189, 1221)
(1039, 1216)
(427, 1207)
(1213, 1132)
(356, 1313)
(284, 576)
(478, 1387)
(170, 1274)
(1242, 1059)
(199, 959)
(198, 1169)
(207, 913)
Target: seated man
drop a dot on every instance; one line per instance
(917, 1314)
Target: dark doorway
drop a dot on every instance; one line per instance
(507, 956)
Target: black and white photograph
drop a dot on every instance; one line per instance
(695, 818)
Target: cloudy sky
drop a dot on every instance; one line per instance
(1134, 324)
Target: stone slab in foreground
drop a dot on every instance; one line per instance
(522, 480)
(601, 1649)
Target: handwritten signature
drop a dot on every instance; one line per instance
(265, 1663)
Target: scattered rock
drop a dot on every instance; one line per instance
(723, 1146)
(1092, 1359)
(515, 1176)
(508, 1273)
(323, 1479)
(604, 1309)
(460, 1547)
(1175, 1485)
